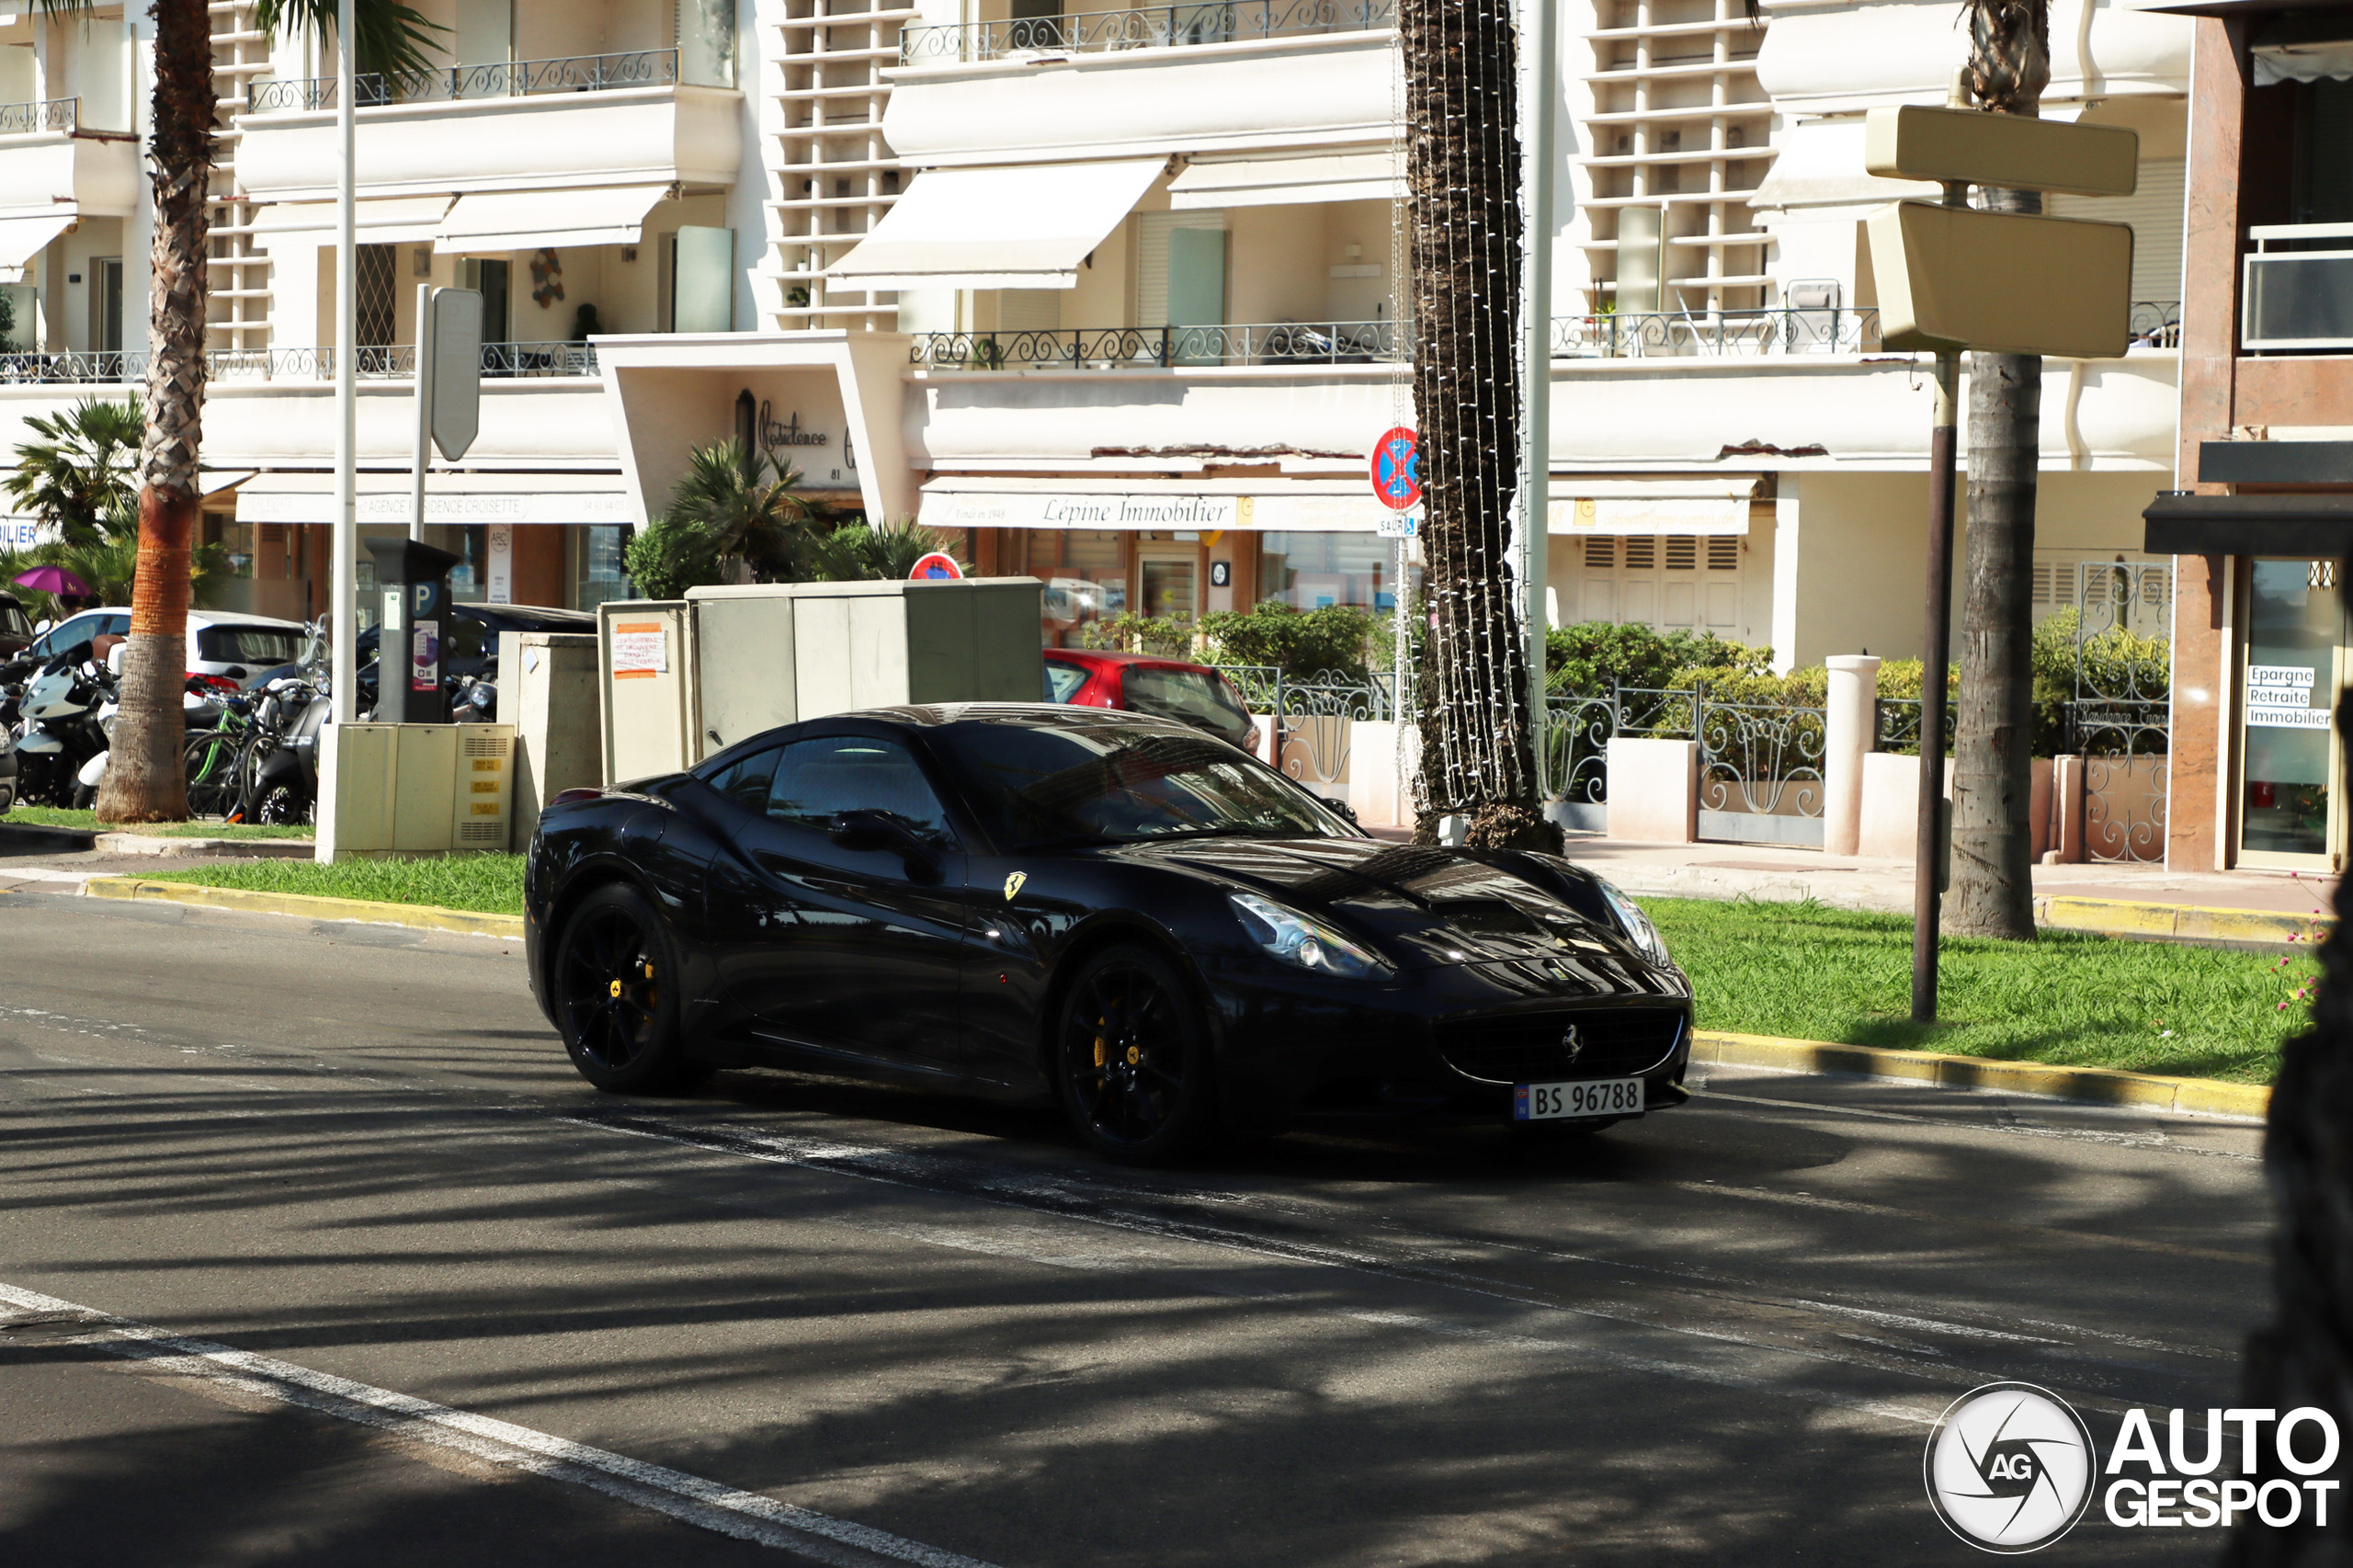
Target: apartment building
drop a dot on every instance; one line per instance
(1113, 294)
(2263, 522)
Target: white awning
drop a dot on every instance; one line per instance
(1267, 181)
(1303, 505)
(455, 498)
(1644, 505)
(494, 221)
(380, 219)
(1028, 227)
(2321, 60)
(21, 238)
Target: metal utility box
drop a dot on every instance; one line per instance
(644, 666)
(417, 789)
(547, 689)
(734, 660)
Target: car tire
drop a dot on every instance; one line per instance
(615, 1005)
(1131, 1055)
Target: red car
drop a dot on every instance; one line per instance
(1170, 689)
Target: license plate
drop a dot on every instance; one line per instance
(1547, 1102)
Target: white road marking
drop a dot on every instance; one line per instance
(690, 1499)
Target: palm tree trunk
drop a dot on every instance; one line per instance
(146, 778)
(1464, 169)
(1992, 857)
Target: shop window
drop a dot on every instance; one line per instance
(1317, 571)
(596, 573)
(1085, 576)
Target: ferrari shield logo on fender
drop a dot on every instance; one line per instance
(1013, 884)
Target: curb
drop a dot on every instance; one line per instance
(309, 907)
(2095, 1085)
(31, 838)
(2116, 917)
(163, 848)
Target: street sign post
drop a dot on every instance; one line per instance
(1951, 279)
(1397, 468)
(449, 384)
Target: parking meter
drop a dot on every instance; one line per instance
(415, 579)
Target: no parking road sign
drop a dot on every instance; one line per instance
(1396, 470)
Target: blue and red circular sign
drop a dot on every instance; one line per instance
(1396, 470)
(938, 567)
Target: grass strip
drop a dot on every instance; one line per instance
(491, 885)
(88, 822)
(1810, 973)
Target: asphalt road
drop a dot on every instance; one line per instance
(313, 1247)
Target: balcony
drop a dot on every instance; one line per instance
(1286, 343)
(591, 121)
(2300, 296)
(397, 362)
(52, 171)
(1161, 27)
(1262, 74)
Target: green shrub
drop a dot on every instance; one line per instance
(668, 557)
(1587, 657)
(1299, 643)
(1166, 637)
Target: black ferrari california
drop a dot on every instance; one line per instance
(1111, 910)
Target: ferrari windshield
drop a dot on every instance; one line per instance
(1034, 784)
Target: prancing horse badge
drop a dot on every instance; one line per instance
(1013, 884)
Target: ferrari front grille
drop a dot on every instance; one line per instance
(1525, 1048)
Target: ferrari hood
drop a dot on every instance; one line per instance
(1423, 904)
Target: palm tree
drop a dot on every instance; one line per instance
(80, 468)
(748, 503)
(1993, 845)
(143, 781)
(1463, 170)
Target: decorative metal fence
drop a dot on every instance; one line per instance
(2121, 720)
(1629, 333)
(1313, 721)
(1155, 27)
(1896, 725)
(51, 114)
(1760, 763)
(64, 366)
(505, 79)
(1116, 347)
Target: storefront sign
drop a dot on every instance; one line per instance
(775, 436)
(2279, 697)
(1039, 509)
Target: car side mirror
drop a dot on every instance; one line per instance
(865, 829)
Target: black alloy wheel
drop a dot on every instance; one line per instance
(1134, 1058)
(615, 1000)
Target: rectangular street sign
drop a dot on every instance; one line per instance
(2014, 152)
(1952, 278)
(1398, 525)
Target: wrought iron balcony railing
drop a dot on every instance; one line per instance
(1627, 335)
(1157, 27)
(77, 366)
(51, 114)
(1104, 348)
(507, 79)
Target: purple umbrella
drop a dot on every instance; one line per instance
(53, 580)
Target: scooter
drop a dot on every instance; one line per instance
(62, 731)
(281, 785)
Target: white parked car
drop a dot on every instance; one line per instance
(220, 642)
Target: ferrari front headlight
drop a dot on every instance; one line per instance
(1301, 940)
(1637, 925)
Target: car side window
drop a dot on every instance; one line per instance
(1062, 681)
(818, 779)
(116, 626)
(745, 780)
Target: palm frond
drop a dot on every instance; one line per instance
(391, 40)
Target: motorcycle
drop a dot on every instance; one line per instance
(61, 738)
(280, 766)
